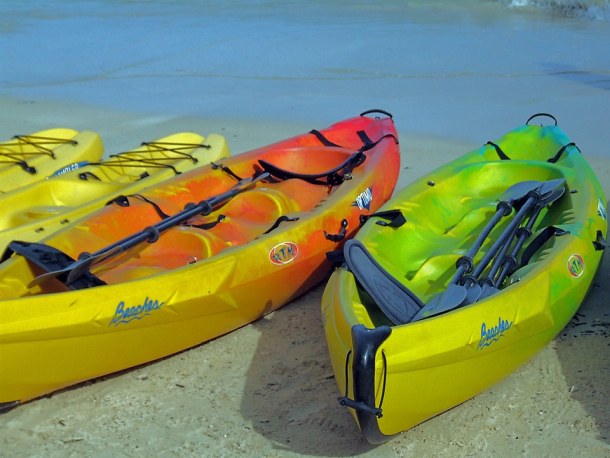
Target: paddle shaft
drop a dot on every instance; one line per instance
(498, 261)
(539, 193)
(544, 194)
(465, 262)
(529, 203)
(151, 233)
(505, 262)
(516, 192)
(523, 235)
(455, 293)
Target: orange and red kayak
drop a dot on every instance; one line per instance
(189, 259)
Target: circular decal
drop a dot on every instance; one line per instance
(283, 253)
(576, 265)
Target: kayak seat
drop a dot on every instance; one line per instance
(250, 214)
(300, 195)
(395, 300)
(179, 246)
(39, 212)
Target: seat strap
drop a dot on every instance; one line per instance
(226, 170)
(279, 221)
(499, 151)
(561, 151)
(331, 177)
(123, 201)
(325, 141)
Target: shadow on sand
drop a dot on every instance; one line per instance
(583, 348)
(290, 394)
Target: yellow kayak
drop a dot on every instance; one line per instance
(188, 259)
(462, 277)
(38, 210)
(26, 159)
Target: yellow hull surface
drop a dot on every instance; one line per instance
(222, 245)
(26, 159)
(411, 337)
(36, 211)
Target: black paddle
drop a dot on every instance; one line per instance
(488, 280)
(150, 234)
(504, 208)
(456, 294)
(535, 198)
(506, 263)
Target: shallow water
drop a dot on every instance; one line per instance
(470, 70)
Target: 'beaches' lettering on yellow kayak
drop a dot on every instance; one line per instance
(493, 334)
(127, 314)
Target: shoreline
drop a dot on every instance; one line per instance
(268, 387)
(121, 131)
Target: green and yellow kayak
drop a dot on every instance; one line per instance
(26, 159)
(462, 277)
(188, 259)
(42, 208)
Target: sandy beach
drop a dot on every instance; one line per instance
(267, 389)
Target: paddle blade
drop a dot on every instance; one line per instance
(552, 185)
(451, 298)
(472, 294)
(519, 191)
(49, 258)
(392, 297)
(552, 196)
(486, 291)
(84, 263)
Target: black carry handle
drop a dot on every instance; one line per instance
(376, 110)
(539, 115)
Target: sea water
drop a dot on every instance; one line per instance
(471, 70)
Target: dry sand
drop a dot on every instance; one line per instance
(268, 389)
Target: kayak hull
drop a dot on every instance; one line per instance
(420, 369)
